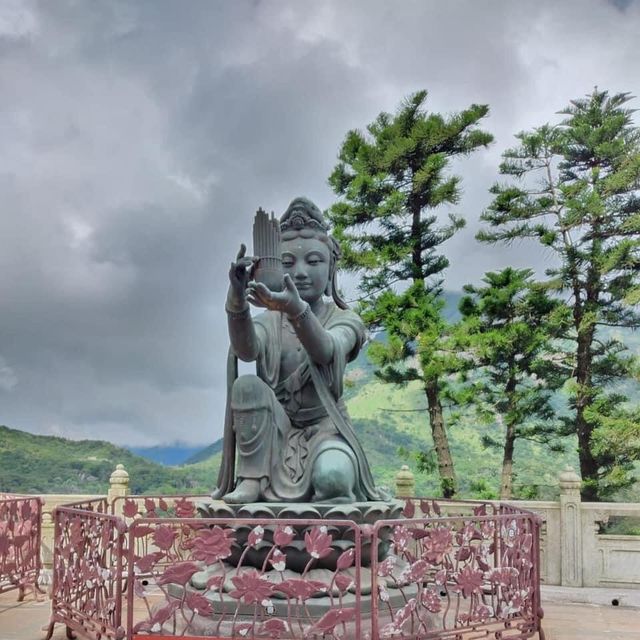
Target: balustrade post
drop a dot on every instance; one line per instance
(405, 483)
(570, 528)
(118, 484)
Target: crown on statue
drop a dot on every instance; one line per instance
(303, 214)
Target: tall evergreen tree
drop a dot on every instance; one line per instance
(394, 183)
(507, 332)
(577, 192)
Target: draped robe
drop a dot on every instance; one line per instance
(308, 414)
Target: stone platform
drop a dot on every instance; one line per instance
(308, 515)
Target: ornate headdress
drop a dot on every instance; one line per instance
(303, 214)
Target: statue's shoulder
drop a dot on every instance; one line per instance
(338, 316)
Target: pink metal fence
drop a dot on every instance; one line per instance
(88, 577)
(469, 572)
(248, 601)
(20, 536)
(447, 570)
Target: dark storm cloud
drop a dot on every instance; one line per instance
(622, 4)
(139, 137)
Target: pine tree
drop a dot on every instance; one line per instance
(577, 193)
(394, 184)
(507, 332)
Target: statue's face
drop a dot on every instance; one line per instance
(306, 260)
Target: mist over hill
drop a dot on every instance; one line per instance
(168, 454)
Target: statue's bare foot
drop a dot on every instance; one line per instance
(248, 490)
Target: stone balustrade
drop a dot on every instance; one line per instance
(574, 551)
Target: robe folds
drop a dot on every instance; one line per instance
(299, 433)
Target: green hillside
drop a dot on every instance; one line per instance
(389, 428)
(392, 428)
(45, 464)
(379, 409)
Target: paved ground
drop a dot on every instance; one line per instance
(564, 618)
(27, 620)
(590, 622)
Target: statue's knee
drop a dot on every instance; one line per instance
(250, 403)
(247, 390)
(334, 476)
(249, 393)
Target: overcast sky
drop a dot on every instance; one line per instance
(138, 139)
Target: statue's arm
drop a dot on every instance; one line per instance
(313, 336)
(319, 343)
(316, 340)
(242, 333)
(347, 334)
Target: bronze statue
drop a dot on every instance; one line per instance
(288, 424)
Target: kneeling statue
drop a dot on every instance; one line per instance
(288, 437)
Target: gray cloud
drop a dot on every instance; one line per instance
(139, 138)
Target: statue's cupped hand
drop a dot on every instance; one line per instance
(288, 300)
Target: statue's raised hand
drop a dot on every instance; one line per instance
(240, 272)
(288, 300)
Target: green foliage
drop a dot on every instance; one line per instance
(510, 370)
(621, 526)
(481, 490)
(389, 421)
(394, 184)
(389, 179)
(615, 439)
(575, 189)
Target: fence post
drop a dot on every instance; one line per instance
(570, 528)
(118, 484)
(405, 483)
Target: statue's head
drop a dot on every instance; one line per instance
(309, 254)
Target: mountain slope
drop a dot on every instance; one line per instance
(206, 453)
(46, 464)
(167, 454)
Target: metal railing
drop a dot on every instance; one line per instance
(87, 586)
(20, 537)
(446, 570)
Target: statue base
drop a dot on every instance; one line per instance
(228, 614)
(308, 515)
(298, 565)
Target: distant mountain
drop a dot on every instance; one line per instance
(169, 454)
(205, 454)
(45, 464)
